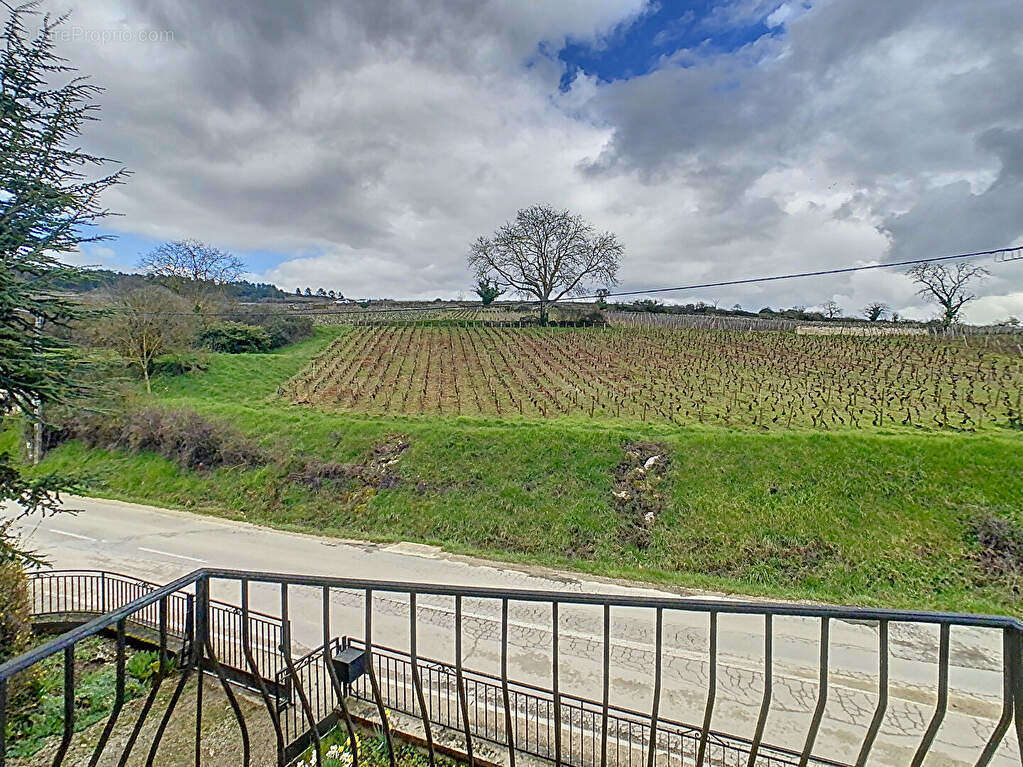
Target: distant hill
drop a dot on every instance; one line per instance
(92, 279)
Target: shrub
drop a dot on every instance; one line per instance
(179, 364)
(145, 663)
(15, 611)
(235, 338)
(1000, 543)
(592, 318)
(183, 436)
(96, 429)
(16, 632)
(286, 329)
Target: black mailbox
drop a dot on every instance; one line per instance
(349, 664)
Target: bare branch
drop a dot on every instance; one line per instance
(948, 286)
(548, 254)
(192, 260)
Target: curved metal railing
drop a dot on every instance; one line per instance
(579, 732)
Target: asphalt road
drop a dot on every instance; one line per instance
(159, 545)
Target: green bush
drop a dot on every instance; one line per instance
(16, 637)
(15, 610)
(179, 364)
(287, 329)
(235, 338)
(146, 663)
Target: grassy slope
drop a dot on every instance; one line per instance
(869, 518)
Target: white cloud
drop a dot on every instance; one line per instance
(371, 142)
(997, 308)
(93, 256)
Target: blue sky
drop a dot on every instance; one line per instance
(123, 250)
(636, 46)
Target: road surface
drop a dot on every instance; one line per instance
(160, 545)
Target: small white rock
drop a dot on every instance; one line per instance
(651, 462)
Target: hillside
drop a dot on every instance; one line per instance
(891, 515)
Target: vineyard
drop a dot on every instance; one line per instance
(587, 314)
(761, 380)
(427, 314)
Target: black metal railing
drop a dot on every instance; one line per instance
(548, 720)
(532, 721)
(71, 594)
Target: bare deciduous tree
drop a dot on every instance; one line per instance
(193, 269)
(831, 309)
(192, 260)
(549, 254)
(145, 323)
(947, 286)
(875, 311)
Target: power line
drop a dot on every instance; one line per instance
(824, 272)
(646, 291)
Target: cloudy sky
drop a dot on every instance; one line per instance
(360, 146)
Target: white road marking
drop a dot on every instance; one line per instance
(71, 535)
(169, 554)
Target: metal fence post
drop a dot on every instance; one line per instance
(1016, 671)
(202, 616)
(188, 645)
(202, 630)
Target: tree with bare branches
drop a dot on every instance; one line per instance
(947, 286)
(831, 309)
(192, 260)
(549, 254)
(193, 269)
(143, 324)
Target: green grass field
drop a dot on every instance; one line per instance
(878, 517)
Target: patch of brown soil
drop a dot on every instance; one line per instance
(999, 553)
(377, 471)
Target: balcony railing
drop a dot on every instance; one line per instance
(575, 647)
(68, 595)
